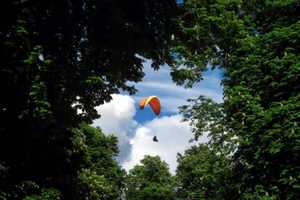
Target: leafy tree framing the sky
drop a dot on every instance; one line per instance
(256, 43)
(58, 57)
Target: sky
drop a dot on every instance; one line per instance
(135, 128)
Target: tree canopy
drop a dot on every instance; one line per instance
(60, 59)
(256, 43)
(203, 173)
(150, 181)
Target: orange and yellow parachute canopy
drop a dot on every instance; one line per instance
(154, 103)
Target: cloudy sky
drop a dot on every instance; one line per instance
(135, 128)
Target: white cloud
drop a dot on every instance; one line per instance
(173, 136)
(135, 140)
(117, 119)
(116, 115)
(135, 137)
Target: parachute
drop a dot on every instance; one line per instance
(154, 103)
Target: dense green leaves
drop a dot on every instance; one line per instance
(62, 57)
(99, 176)
(29, 190)
(59, 57)
(205, 170)
(203, 173)
(93, 186)
(150, 181)
(257, 45)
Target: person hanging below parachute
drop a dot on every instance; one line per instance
(154, 103)
(155, 139)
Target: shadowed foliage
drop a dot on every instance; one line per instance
(61, 56)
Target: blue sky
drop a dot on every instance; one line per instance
(135, 128)
(159, 83)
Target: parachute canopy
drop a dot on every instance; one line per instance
(154, 103)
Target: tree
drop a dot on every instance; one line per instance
(99, 176)
(256, 43)
(203, 173)
(29, 190)
(58, 57)
(205, 170)
(150, 181)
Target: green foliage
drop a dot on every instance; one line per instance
(256, 43)
(61, 56)
(203, 173)
(46, 194)
(205, 170)
(29, 190)
(207, 118)
(38, 100)
(92, 186)
(100, 176)
(150, 181)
